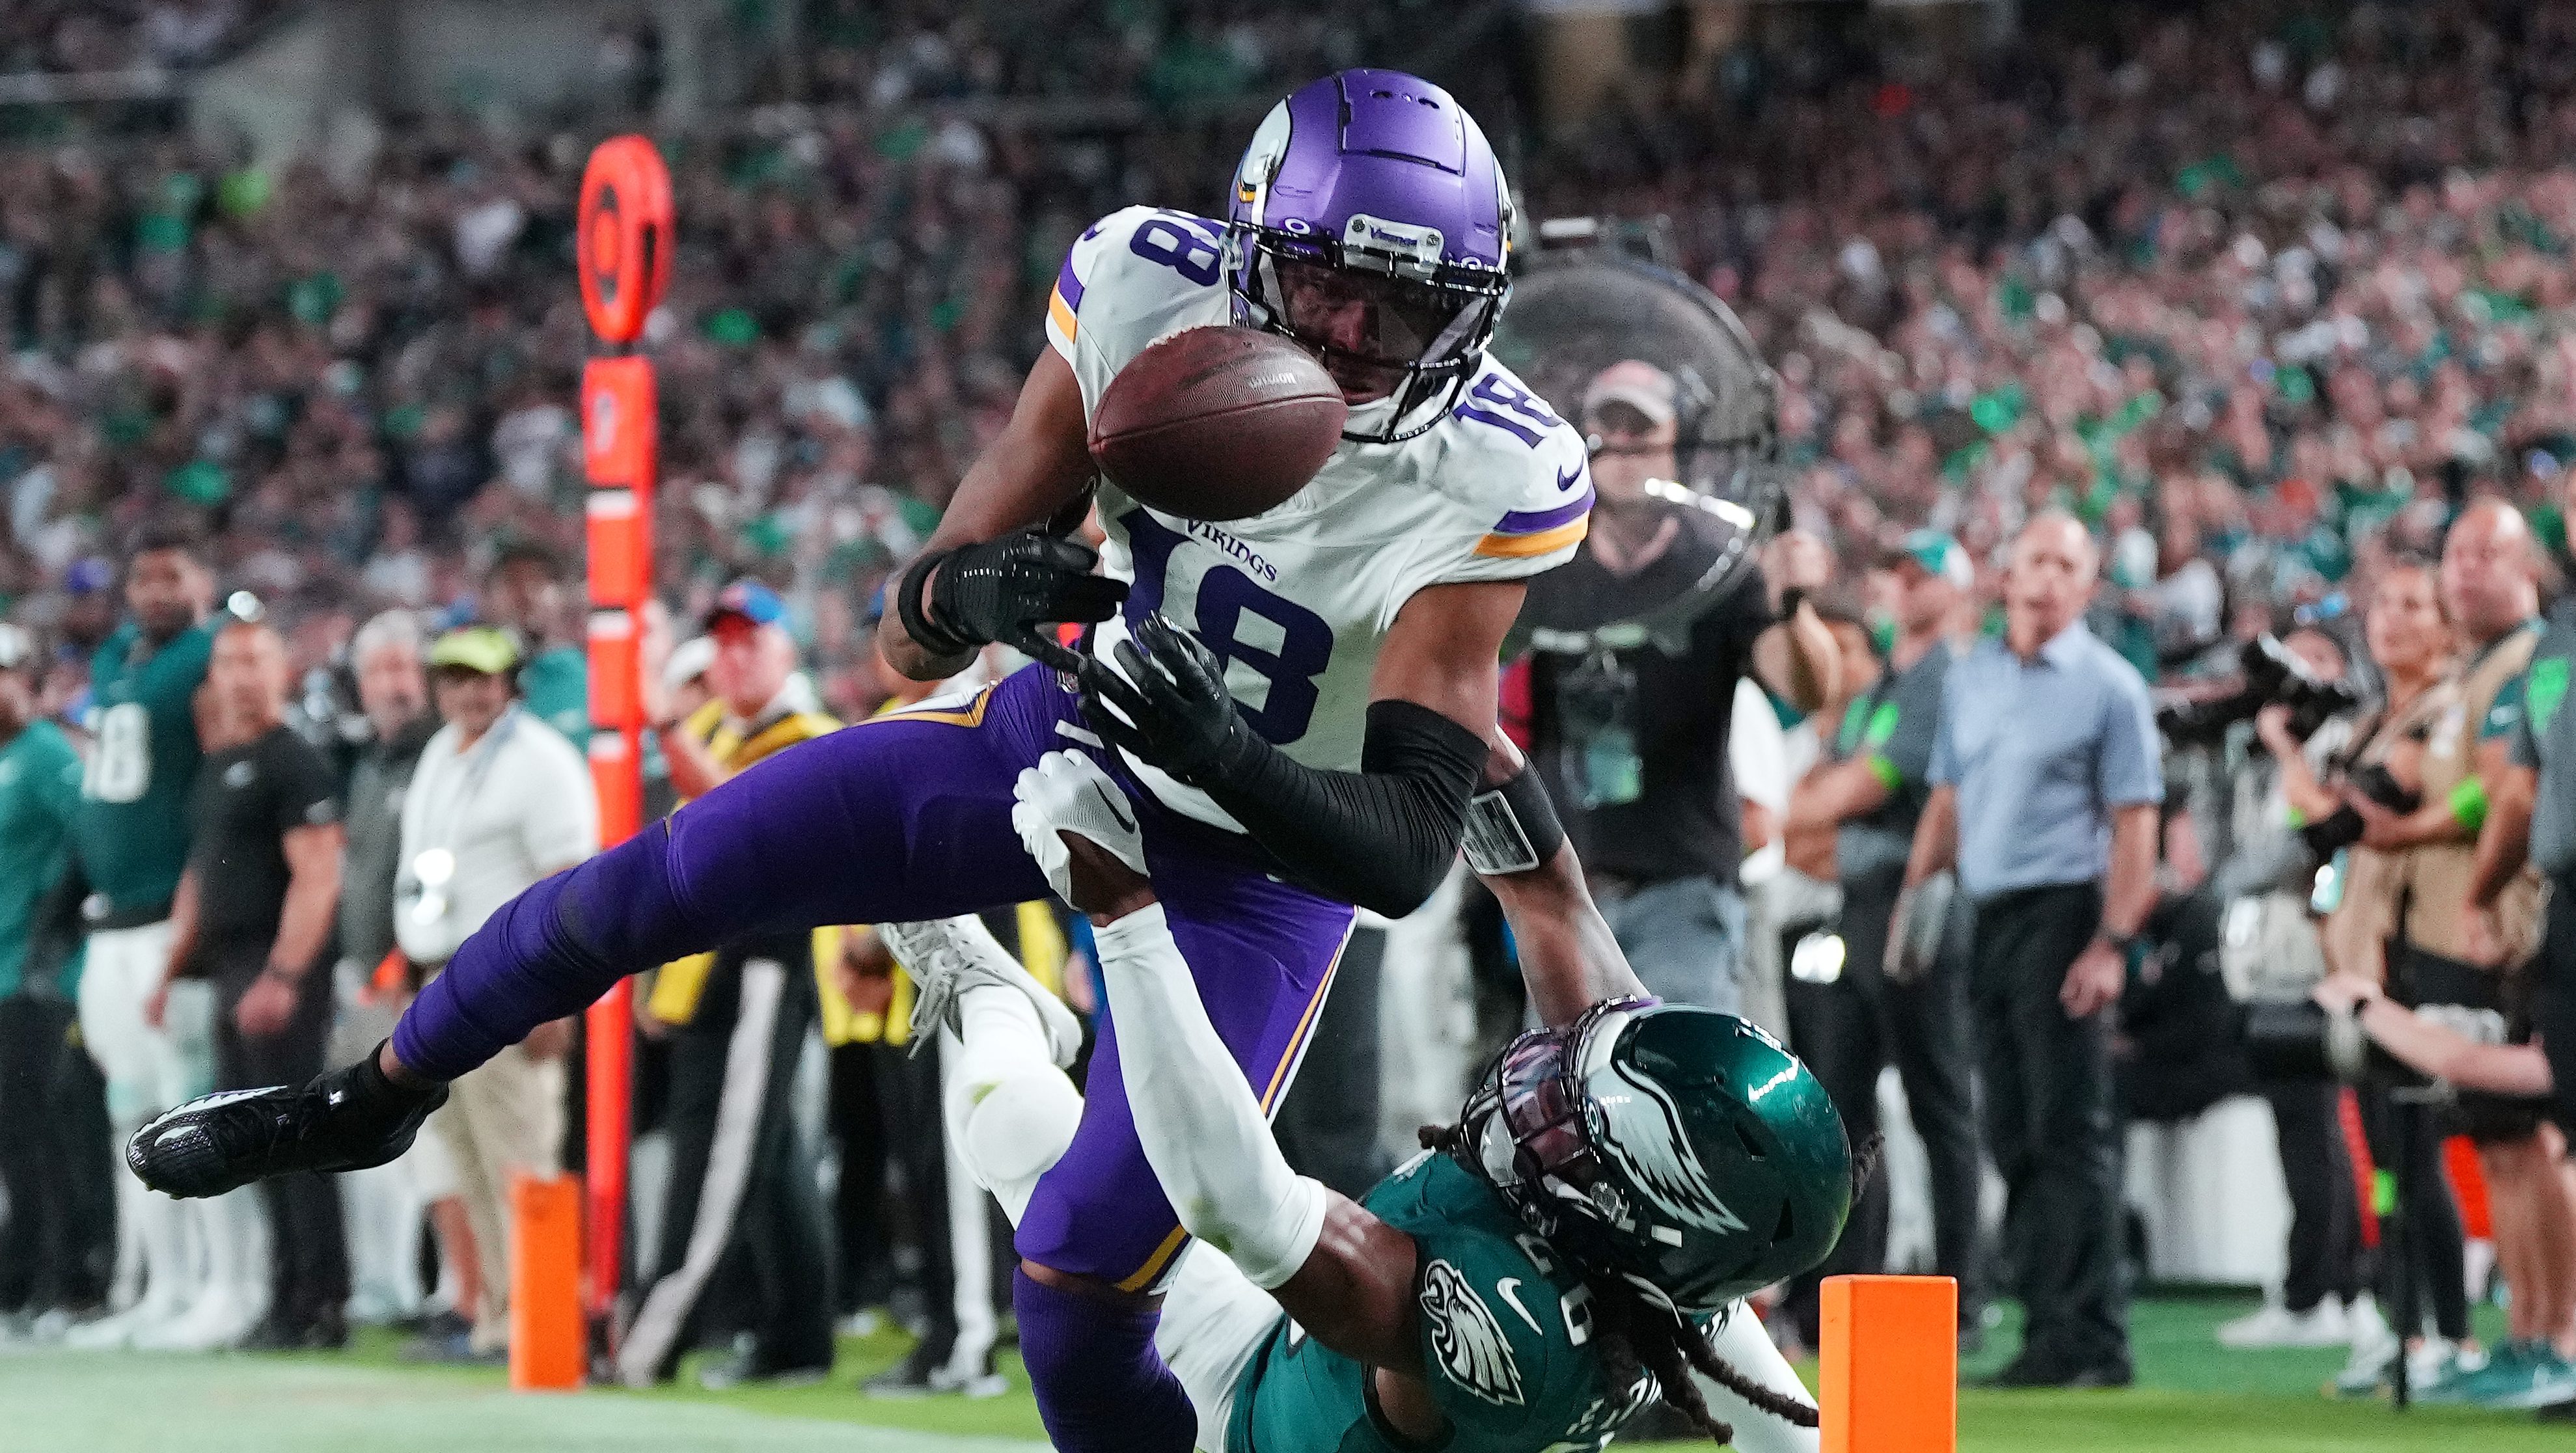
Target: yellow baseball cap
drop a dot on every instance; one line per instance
(486, 649)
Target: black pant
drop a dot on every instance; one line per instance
(1328, 1125)
(58, 1239)
(1849, 1030)
(2049, 1123)
(744, 1185)
(308, 1249)
(2432, 1236)
(2325, 1217)
(862, 1237)
(2553, 1007)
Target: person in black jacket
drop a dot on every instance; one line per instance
(254, 916)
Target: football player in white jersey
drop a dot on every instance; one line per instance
(1298, 715)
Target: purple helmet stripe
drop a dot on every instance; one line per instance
(1531, 522)
(1386, 113)
(1382, 176)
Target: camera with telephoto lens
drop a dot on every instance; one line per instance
(2271, 674)
(2301, 1040)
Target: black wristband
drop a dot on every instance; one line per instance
(1513, 828)
(917, 619)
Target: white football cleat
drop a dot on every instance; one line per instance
(2274, 1325)
(222, 1318)
(948, 956)
(117, 1333)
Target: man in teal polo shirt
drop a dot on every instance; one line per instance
(525, 593)
(41, 1237)
(131, 835)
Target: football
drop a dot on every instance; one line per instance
(1217, 423)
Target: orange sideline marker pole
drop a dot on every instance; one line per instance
(548, 1338)
(1889, 1373)
(625, 234)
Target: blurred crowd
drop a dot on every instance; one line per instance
(2266, 287)
(78, 36)
(2269, 301)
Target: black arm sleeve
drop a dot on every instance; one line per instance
(1381, 837)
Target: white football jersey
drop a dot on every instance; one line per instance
(1297, 601)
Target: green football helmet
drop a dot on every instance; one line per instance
(1677, 1148)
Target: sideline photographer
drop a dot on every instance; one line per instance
(2532, 821)
(2489, 584)
(2409, 638)
(2269, 954)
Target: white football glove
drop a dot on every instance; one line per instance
(1068, 792)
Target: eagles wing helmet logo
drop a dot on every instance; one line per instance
(1642, 1130)
(1470, 1342)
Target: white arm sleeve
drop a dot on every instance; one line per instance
(1202, 1130)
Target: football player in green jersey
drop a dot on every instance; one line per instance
(131, 837)
(1581, 1238)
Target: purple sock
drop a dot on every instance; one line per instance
(1101, 1386)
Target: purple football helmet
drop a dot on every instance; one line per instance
(1370, 223)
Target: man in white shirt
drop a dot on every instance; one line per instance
(498, 801)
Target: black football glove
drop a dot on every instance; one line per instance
(1171, 708)
(1002, 590)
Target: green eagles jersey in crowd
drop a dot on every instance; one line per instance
(40, 782)
(1506, 1340)
(133, 830)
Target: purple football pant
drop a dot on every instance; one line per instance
(908, 816)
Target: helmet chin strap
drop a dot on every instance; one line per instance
(1390, 413)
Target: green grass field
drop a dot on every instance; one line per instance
(2192, 1396)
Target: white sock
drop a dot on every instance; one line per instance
(236, 1231)
(1010, 1111)
(170, 1280)
(1003, 1037)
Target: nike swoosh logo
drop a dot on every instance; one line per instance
(1505, 1287)
(1569, 479)
(1123, 820)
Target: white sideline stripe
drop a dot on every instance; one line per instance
(89, 1401)
(746, 1084)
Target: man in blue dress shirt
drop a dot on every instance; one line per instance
(2045, 789)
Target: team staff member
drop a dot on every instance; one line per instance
(1870, 794)
(2045, 788)
(132, 841)
(525, 594)
(383, 1205)
(2532, 819)
(43, 1239)
(2488, 580)
(1635, 740)
(742, 1179)
(253, 916)
(498, 801)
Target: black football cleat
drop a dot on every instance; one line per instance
(349, 1119)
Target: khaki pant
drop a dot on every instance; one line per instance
(504, 1118)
